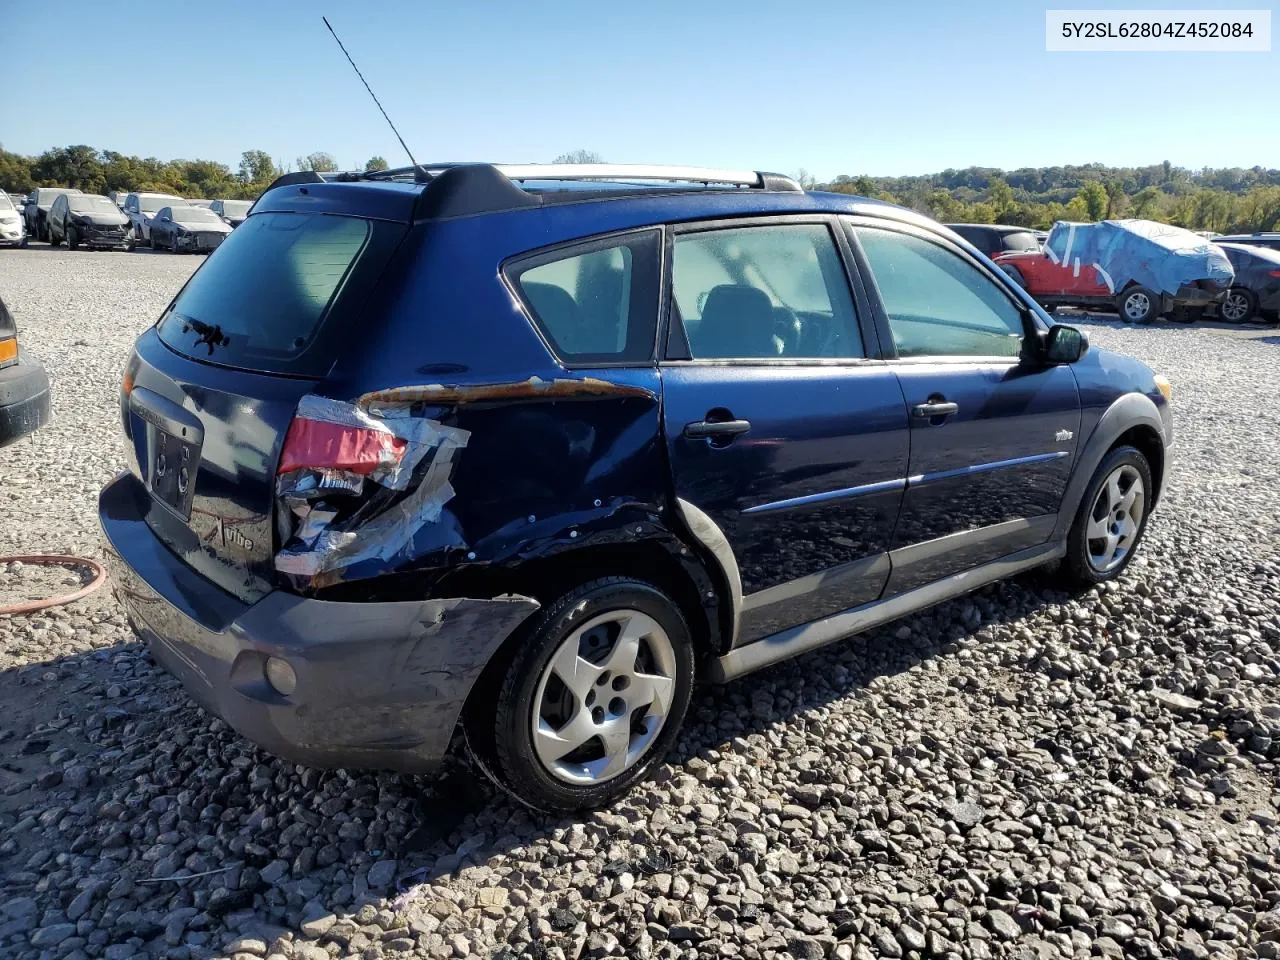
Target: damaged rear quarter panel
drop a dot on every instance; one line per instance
(544, 470)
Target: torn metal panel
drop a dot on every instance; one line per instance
(336, 533)
(532, 389)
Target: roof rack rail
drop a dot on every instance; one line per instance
(617, 171)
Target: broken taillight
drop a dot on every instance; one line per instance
(323, 445)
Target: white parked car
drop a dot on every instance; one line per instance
(11, 228)
(141, 209)
(199, 203)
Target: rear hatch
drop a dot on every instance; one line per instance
(212, 389)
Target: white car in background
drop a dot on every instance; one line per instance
(11, 229)
(141, 208)
(199, 203)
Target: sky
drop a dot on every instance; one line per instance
(883, 88)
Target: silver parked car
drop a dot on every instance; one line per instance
(187, 229)
(232, 211)
(141, 208)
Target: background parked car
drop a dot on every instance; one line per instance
(995, 238)
(118, 197)
(1256, 288)
(187, 229)
(195, 202)
(1271, 240)
(11, 228)
(140, 208)
(232, 211)
(87, 219)
(1139, 267)
(24, 386)
(37, 209)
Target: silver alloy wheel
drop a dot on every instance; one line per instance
(1235, 307)
(1137, 306)
(1115, 519)
(603, 697)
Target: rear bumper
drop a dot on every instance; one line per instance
(24, 399)
(1193, 296)
(379, 685)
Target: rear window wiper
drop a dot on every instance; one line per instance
(211, 334)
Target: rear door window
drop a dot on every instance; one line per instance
(595, 302)
(278, 291)
(764, 292)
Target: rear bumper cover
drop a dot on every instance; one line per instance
(24, 399)
(379, 685)
(1189, 295)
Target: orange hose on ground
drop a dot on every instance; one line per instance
(54, 560)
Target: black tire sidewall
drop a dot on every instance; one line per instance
(1077, 562)
(515, 764)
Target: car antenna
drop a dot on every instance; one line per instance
(419, 174)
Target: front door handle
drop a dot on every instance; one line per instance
(716, 428)
(927, 411)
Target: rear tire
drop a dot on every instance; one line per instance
(1239, 306)
(1138, 305)
(1110, 520)
(591, 699)
(73, 242)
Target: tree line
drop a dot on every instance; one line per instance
(101, 171)
(1228, 200)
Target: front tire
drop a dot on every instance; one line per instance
(1239, 306)
(73, 242)
(1138, 305)
(591, 699)
(53, 241)
(1110, 520)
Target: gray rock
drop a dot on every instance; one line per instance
(1003, 925)
(382, 873)
(53, 935)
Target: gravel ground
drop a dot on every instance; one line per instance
(1019, 773)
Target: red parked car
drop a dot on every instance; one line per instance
(1139, 268)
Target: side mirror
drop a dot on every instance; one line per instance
(1064, 344)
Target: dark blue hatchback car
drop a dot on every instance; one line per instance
(526, 451)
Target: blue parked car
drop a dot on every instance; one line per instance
(527, 451)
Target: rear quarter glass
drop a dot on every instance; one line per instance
(280, 292)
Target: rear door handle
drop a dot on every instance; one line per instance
(716, 428)
(927, 411)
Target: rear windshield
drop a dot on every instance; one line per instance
(235, 208)
(1021, 241)
(263, 300)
